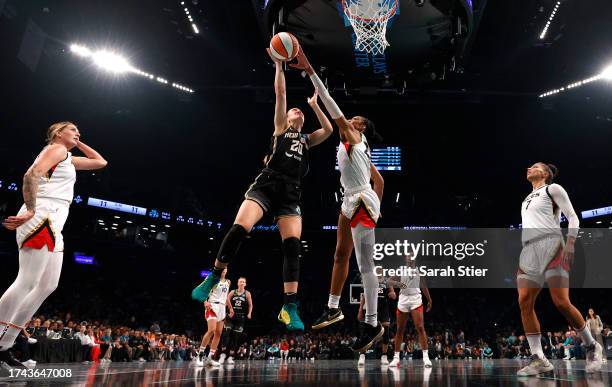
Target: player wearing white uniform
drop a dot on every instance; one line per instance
(411, 303)
(545, 258)
(48, 187)
(217, 301)
(359, 214)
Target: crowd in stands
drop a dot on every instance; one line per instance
(105, 342)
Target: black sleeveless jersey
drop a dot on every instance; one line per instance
(289, 154)
(382, 293)
(239, 302)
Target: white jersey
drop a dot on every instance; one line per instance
(219, 293)
(354, 164)
(541, 213)
(58, 182)
(413, 284)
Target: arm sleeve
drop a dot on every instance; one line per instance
(328, 101)
(559, 195)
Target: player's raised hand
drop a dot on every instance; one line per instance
(302, 62)
(313, 101)
(274, 59)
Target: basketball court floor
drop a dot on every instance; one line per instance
(315, 373)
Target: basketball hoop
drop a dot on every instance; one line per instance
(369, 19)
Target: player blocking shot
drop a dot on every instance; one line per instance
(359, 213)
(215, 314)
(48, 190)
(546, 258)
(276, 191)
(241, 309)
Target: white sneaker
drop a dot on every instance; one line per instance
(536, 366)
(222, 358)
(427, 362)
(384, 361)
(199, 362)
(230, 360)
(212, 363)
(29, 363)
(361, 361)
(141, 359)
(32, 340)
(594, 357)
(395, 362)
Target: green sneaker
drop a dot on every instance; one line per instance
(290, 317)
(200, 293)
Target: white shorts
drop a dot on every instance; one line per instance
(216, 311)
(409, 303)
(45, 227)
(542, 259)
(362, 206)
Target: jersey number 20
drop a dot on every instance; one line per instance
(296, 146)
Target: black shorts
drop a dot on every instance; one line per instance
(383, 311)
(238, 322)
(276, 194)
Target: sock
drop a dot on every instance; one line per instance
(211, 354)
(585, 335)
(535, 344)
(290, 298)
(333, 302)
(8, 338)
(425, 354)
(202, 350)
(396, 355)
(371, 319)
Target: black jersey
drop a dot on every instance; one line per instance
(289, 154)
(382, 293)
(239, 302)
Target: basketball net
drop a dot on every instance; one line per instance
(369, 19)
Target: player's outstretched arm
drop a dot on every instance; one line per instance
(319, 135)
(347, 132)
(280, 109)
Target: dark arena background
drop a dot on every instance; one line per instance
(467, 96)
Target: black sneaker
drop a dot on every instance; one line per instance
(10, 360)
(329, 317)
(368, 335)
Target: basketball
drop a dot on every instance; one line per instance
(284, 46)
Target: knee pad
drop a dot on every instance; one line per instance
(291, 264)
(386, 336)
(231, 243)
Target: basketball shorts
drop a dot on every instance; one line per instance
(542, 259)
(276, 194)
(45, 227)
(216, 311)
(238, 322)
(383, 311)
(361, 205)
(408, 303)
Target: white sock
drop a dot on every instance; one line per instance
(585, 335)
(396, 355)
(535, 344)
(211, 353)
(333, 302)
(425, 354)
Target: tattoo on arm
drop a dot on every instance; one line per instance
(30, 188)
